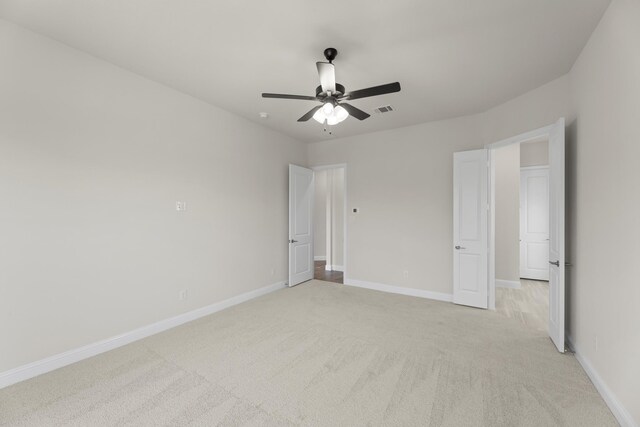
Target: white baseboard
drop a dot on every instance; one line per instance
(617, 408)
(438, 296)
(334, 268)
(320, 258)
(513, 284)
(39, 367)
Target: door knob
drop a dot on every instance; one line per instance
(460, 247)
(293, 241)
(556, 263)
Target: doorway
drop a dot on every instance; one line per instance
(475, 231)
(555, 136)
(330, 227)
(522, 232)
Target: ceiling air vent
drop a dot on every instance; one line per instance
(385, 109)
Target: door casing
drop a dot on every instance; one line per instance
(346, 209)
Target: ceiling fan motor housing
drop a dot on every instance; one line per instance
(339, 91)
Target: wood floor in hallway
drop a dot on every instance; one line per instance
(320, 273)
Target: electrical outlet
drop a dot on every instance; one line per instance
(405, 274)
(182, 295)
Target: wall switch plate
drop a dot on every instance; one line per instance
(181, 206)
(182, 295)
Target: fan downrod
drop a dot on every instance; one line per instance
(330, 53)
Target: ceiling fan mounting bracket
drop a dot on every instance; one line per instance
(330, 53)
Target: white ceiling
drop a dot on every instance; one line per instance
(452, 57)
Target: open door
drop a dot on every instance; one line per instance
(301, 188)
(470, 228)
(556, 234)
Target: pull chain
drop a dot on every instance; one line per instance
(324, 125)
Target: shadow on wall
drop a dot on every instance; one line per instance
(570, 216)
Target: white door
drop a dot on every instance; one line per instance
(534, 223)
(556, 234)
(301, 186)
(470, 224)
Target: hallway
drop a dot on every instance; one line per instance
(328, 276)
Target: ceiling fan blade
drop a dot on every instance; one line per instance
(355, 112)
(327, 73)
(282, 96)
(373, 91)
(309, 114)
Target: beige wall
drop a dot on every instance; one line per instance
(507, 211)
(535, 109)
(604, 192)
(534, 154)
(320, 215)
(401, 182)
(92, 161)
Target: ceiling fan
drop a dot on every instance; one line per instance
(332, 95)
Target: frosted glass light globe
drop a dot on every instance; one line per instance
(319, 116)
(327, 108)
(340, 113)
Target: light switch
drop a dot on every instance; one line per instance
(181, 206)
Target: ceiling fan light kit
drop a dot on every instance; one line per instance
(331, 115)
(332, 95)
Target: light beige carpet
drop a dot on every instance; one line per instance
(322, 354)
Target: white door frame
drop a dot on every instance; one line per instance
(345, 222)
(543, 132)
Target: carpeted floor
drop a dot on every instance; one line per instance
(322, 354)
